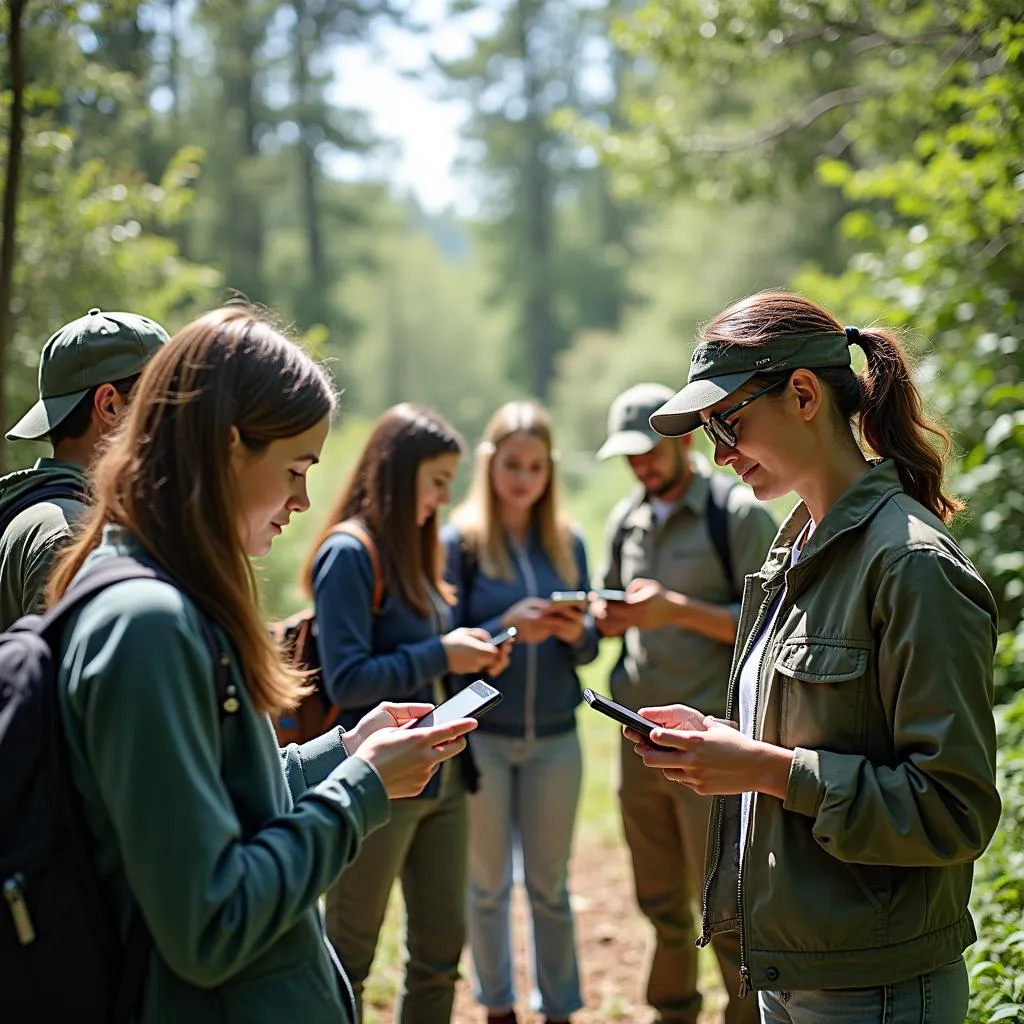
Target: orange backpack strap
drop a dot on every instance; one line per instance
(354, 528)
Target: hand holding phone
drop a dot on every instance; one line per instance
(470, 702)
(623, 715)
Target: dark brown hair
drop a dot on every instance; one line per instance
(167, 477)
(890, 416)
(381, 493)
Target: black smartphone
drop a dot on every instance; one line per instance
(611, 596)
(622, 715)
(470, 702)
(568, 597)
(504, 636)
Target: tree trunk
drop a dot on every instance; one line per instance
(317, 285)
(10, 201)
(538, 311)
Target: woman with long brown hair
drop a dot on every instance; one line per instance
(510, 546)
(402, 647)
(199, 832)
(855, 785)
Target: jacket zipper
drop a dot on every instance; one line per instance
(530, 578)
(14, 894)
(705, 936)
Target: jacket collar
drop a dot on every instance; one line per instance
(853, 509)
(695, 497)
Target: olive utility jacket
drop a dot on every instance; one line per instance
(878, 674)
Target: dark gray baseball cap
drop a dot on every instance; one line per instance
(629, 421)
(98, 348)
(717, 369)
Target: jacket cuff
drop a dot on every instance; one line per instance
(806, 789)
(320, 756)
(368, 790)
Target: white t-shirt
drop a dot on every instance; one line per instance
(662, 509)
(749, 675)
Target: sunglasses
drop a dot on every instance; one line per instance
(717, 427)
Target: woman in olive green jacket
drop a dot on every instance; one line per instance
(855, 782)
(195, 825)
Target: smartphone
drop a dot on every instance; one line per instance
(622, 715)
(568, 597)
(470, 702)
(612, 596)
(504, 636)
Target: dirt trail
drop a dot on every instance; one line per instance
(612, 940)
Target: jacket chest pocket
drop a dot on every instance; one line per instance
(823, 695)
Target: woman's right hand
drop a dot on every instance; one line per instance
(406, 759)
(469, 651)
(531, 617)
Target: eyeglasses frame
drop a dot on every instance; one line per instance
(717, 421)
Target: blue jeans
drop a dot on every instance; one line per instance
(529, 792)
(939, 997)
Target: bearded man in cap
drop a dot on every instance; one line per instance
(679, 546)
(86, 374)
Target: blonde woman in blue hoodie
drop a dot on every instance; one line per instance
(510, 546)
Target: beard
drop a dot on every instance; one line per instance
(672, 481)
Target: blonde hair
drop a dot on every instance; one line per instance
(479, 517)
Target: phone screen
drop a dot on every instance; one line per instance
(471, 702)
(504, 636)
(568, 597)
(612, 596)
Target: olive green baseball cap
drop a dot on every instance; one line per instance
(98, 348)
(717, 369)
(629, 421)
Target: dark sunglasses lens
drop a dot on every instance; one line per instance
(722, 433)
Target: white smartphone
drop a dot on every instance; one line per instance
(470, 702)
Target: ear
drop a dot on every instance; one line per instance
(234, 441)
(809, 396)
(107, 405)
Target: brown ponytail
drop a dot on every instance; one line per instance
(893, 423)
(884, 399)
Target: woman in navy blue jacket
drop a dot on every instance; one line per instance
(508, 549)
(404, 650)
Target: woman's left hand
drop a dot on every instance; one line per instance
(717, 759)
(385, 715)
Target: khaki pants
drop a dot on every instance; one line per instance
(666, 828)
(425, 845)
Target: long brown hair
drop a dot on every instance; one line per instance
(890, 415)
(381, 493)
(479, 517)
(167, 476)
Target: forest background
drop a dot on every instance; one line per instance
(629, 169)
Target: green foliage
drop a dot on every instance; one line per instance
(996, 960)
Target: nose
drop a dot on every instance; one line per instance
(724, 456)
(299, 501)
(446, 494)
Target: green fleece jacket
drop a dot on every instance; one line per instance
(34, 535)
(223, 840)
(877, 673)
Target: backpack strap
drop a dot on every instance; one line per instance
(717, 514)
(639, 497)
(36, 497)
(121, 568)
(354, 528)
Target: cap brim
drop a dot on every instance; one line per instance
(628, 442)
(681, 413)
(44, 416)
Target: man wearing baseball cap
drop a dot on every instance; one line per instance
(86, 374)
(680, 545)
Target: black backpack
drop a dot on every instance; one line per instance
(61, 956)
